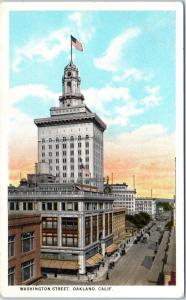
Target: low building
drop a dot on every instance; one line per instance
(124, 196)
(76, 226)
(23, 249)
(147, 205)
(119, 225)
(130, 230)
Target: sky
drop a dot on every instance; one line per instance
(127, 74)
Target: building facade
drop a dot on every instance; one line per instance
(147, 205)
(123, 196)
(70, 141)
(76, 228)
(119, 225)
(23, 249)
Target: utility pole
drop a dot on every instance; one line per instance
(112, 178)
(134, 184)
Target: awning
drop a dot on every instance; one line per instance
(111, 248)
(59, 264)
(94, 260)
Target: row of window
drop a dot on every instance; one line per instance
(27, 243)
(64, 153)
(64, 146)
(64, 139)
(64, 206)
(27, 272)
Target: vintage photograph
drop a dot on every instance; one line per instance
(92, 149)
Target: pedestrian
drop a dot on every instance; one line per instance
(107, 277)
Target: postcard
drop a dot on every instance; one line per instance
(92, 149)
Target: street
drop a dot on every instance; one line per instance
(130, 269)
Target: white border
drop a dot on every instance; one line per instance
(117, 291)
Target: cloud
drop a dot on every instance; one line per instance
(57, 41)
(110, 60)
(22, 139)
(135, 74)
(148, 152)
(41, 91)
(152, 99)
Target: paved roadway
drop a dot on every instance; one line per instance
(131, 269)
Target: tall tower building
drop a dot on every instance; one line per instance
(70, 141)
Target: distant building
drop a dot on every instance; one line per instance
(124, 196)
(119, 225)
(23, 248)
(147, 205)
(76, 228)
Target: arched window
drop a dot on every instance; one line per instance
(87, 137)
(71, 138)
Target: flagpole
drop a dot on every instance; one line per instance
(71, 47)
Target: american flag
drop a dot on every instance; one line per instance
(76, 43)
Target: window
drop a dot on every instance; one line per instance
(72, 138)
(88, 206)
(27, 270)
(100, 225)
(49, 231)
(110, 223)
(27, 241)
(64, 139)
(72, 152)
(30, 206)
(57, 153)
(50, 161)
(57, 160)
(79, 174)
(43, 154)
(72, 167)
(87, 144)
(79, 145)
(106, 224)
(87, 137)
(57, 167)
(71, 159)
(94, 228)
(79, 137)
(64, 146)
(79, 159)
(57, 139)
(94, 206)
(64, 160)
(50, 153)
(71, 174)
(11, 241)
(87, 231)
(62, 205)
(64, 153)
(43, 160)
(64, 175)
(79, 152)
(64, 168)
(71, 145)
(49, 206)
(87, 159)
(43, 147)
(43, 140)
(50, 140)
(70, 232)
(86, 152)
(76, 206)
(50, 146)
(11, 276)
(57, 146)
